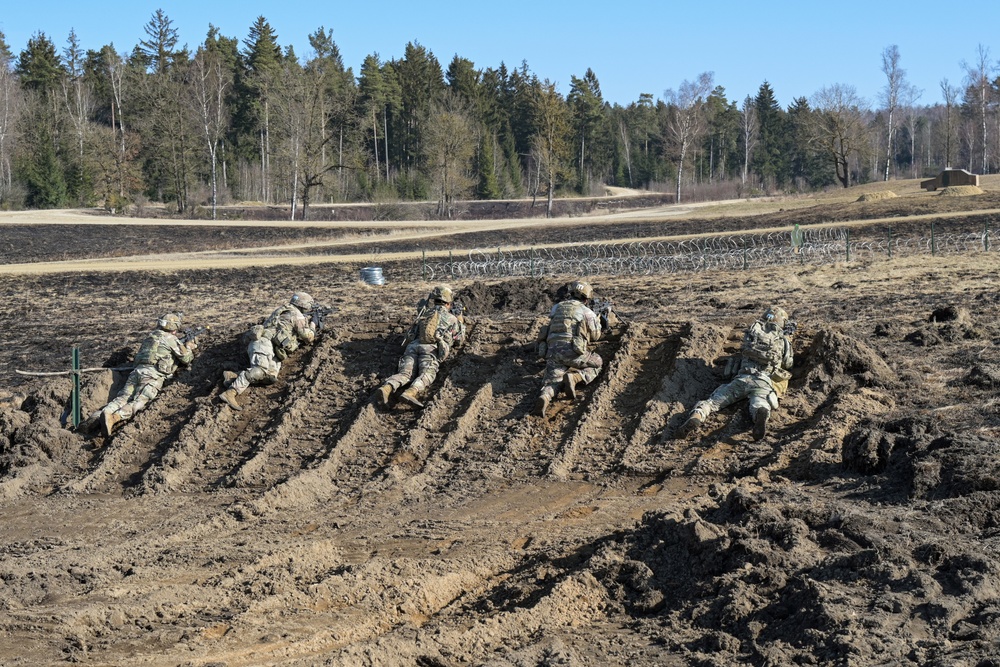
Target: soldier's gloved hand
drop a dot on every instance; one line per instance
(192, 345)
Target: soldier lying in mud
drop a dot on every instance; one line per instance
(762, 374)
(439, 327)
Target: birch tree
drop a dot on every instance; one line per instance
(894, 75)
(687, 122)
(978, 86)
(210, 84)
(10, 106)
(748, 132)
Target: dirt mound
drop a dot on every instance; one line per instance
(835, 355)
(522, 294)
(948, 324)
(877, 196)
(961, 191)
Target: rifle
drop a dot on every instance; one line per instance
(319, 314)
(413, 327)
(192, 333)
(604, 309)
(790, 328)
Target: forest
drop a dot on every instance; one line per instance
(251, 121)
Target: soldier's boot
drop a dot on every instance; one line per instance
(541, 405)
(569, 383)
(760, 423)
(109, 420)
(383, 393)
(228, 377)
(229, 398)
(90, 423)
(692, 424)
(412, 397)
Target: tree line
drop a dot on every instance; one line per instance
(251, 121)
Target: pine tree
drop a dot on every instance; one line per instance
(770, 159)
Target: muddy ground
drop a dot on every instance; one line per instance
(313, 528)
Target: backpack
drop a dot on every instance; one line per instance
(427, 326)
(762, 345)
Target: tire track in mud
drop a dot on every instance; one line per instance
(217, 441)
(139, 443)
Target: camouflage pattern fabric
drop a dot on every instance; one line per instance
(164, 350)
(572, 328)
(287, 327)
(424, 359)
(263, 369)
(762, 376)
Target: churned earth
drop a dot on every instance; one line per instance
(315, 528)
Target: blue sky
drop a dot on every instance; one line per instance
(634, 47)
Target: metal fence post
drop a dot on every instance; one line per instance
(848, 244)
(531, 261)
(76, 415)
(451, 265)
(744, 254)
(986, 236)
(890, 243)
(933, 242)
(423, 265)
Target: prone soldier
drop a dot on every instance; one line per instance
(157, 359)
(438, 328)
(762, 374)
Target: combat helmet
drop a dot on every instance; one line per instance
(580, 290)
(169, 322)
(302, 301)
(776, 316)
(441, 293)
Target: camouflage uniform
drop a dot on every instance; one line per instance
(271, 343)
(565, 344)
(156, 360)
(423, 356)
(264, 367)
(287, 327)
(426, 358)
(762, 375)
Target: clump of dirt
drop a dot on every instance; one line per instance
(949, 324)
(986, 376)
(961, 191)
(835, 355)
(878, 196)
(923, 462)
(763, 579)
(522, 294)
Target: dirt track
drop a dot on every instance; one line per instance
(313, 528)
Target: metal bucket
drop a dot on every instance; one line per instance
(373, 275)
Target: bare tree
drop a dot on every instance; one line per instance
(839, 128)
(908, 96)
(978, 82)
(894, 75)
(11, 103)
(450, 144)
(687, 119)
(748, 130)
(549, 146)
(950, 95)
(210, 83)
(76, 93)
